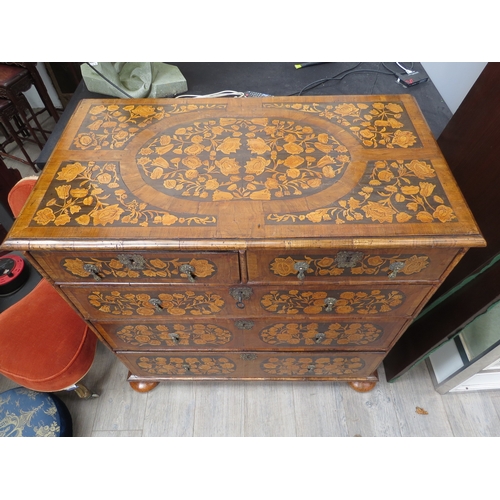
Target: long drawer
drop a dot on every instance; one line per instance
(141, 267)
(365, 265)
(124, 302)
(356, 334)
(252, 365)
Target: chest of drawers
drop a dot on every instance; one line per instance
(263, 238)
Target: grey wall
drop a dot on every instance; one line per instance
(453, 79)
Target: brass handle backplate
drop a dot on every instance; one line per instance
(395, 267)
(189, 271)
(93, 271)
(301, 267)
(157, 304)
(329, 303)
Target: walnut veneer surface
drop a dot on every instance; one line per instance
(282, 238)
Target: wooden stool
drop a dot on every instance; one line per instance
(22, 131)
(16, 78)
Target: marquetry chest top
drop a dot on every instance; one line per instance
(241, 172)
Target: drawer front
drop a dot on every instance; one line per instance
(252, 365)
(141, 267)
(204, 335)
(106, 302)
(340, 266)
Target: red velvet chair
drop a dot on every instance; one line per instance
(44, 344)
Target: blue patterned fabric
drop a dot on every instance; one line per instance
(27, 413)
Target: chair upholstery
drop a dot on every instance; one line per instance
(44, 344)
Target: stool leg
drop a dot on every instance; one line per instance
(13, 135)
(21, 105)
(82, 391)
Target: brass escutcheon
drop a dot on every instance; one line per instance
(244, 324)
(248, 356)
(132, 261)
(348, 259)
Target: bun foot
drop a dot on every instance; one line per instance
(141, 386)
(363, 385)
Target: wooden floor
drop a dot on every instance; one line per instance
(261, 409)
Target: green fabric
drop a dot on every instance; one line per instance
(136, 80)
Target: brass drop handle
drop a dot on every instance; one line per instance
(395, 267)
(311, 368)
(157, 304)
(319, 337)
(329, 303)
(240, 294)
(189, 270)
(186, 367)
(93, 271)
(175, 338)
(301, 267)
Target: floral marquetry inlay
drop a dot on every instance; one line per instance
(295, 334)
(317, 366)
(153, 268)
(176, 304)
(238, 159)
(364, 302)
(93, 194)
(390, 192)
(327, 265)
(112, 126)
(176, 365)
(174, 334)
(375, 124)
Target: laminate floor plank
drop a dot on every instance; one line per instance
(126, 434)
(219, 410)
(472, 414)
(269, 409)
(120, 409)
(419, 408)
(170, 410)
(319, 411)
(370, 414)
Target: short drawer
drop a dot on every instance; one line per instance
(103, 302)
(141, 267)
(252, 365)
(355, 334)
(365, 265)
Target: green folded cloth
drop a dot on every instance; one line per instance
(134, 79)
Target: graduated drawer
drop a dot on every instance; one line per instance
(252, 365)
(141, 267)
(103, 302)
(205, 335)
(405, 264)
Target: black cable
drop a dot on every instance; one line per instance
(340, 76)
(109, 81)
